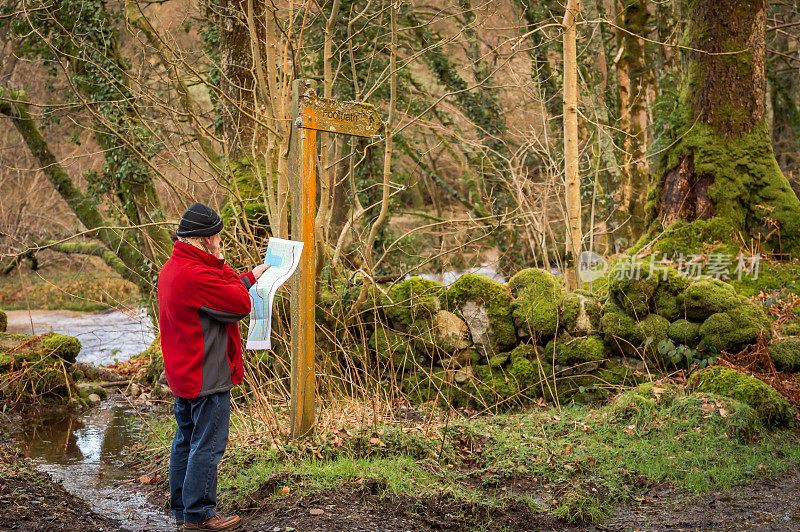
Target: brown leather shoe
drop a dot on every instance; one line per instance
(218, 522)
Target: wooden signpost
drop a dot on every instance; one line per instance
(312, 114)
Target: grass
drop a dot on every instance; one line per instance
(58, 289)
(579, 463)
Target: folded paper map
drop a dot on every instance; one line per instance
(283, 256)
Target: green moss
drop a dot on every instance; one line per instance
(632, 286)
(498, 361)
(569, 351)
(619, 375)
(390, 346)
(772, 276)
(414, 299)
(705, 297)
(791, 329)
(156, 361)
(537, 301)
(491, 295)
(684, 332)
(6, 362)
(732, 330)
(621, 331)
(667, 304)
(748, 184)
(62, 346)
(771, 407)
(653, 329)
(580, 313)
(785, 354)
(3, 321)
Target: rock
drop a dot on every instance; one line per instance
(684, 332)
(668, 304)
(785, 354)
(705, 297)
(771, 407)
(580, 314)
(621, 331)
(161, 391)
(413, 299)
(91, 388)
(451, 333)
(466, 357)
(94, 373)
(463, 375)
(536, 307)
(134, 390)
(569, 351)
(62, 346)
(95, 399)
(162, 379)
(3, 321)
(734, 329)
(485, 305)
(631, 285)
(653, 331)
(442, 335)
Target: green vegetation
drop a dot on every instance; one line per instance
(537, 302)
(62, 346)
(60, 290)
(785, 354)
(771, 407)
(590, 458)
(488, 294)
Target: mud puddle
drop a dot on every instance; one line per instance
(87, 454)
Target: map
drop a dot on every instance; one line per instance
(283, 256)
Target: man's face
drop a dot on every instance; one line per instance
(213, 243)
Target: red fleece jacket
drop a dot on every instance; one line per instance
(201, 300)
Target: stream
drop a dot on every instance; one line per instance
(87, 452)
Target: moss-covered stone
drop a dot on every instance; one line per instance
(785, 354)
(155, 359)
(732, 330)
(705, 297)
(486, 307)
(653, 329)
(569, 351)
(771, 407)
(390, 347)
(684, 332)
(3, 321)
(621, 331)
(414, 299)
(537, 301)
(62, 346)
(619, 375)
(632, 286)
(667, 304)
(444, 334)
(580, 313)
(498, 361)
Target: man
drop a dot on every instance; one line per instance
(201, 301)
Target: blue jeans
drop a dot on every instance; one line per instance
(197, 448)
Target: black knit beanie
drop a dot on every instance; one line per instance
(199, 220)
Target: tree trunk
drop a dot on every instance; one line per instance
(722, 163)
(572, 178)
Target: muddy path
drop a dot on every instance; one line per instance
(31, 500)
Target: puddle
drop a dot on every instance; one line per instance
(105, 337)
(87, 453)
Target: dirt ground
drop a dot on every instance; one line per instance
(30, 500)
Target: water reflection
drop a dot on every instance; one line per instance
(87, 454)
(105, 336)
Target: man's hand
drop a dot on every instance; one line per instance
(258, 270)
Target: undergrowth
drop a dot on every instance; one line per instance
(578, 463)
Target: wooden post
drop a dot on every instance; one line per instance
(302, 171)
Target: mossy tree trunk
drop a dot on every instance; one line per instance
(722, 162)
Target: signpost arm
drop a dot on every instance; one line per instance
(302, 171)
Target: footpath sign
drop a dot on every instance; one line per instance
(311, 114)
